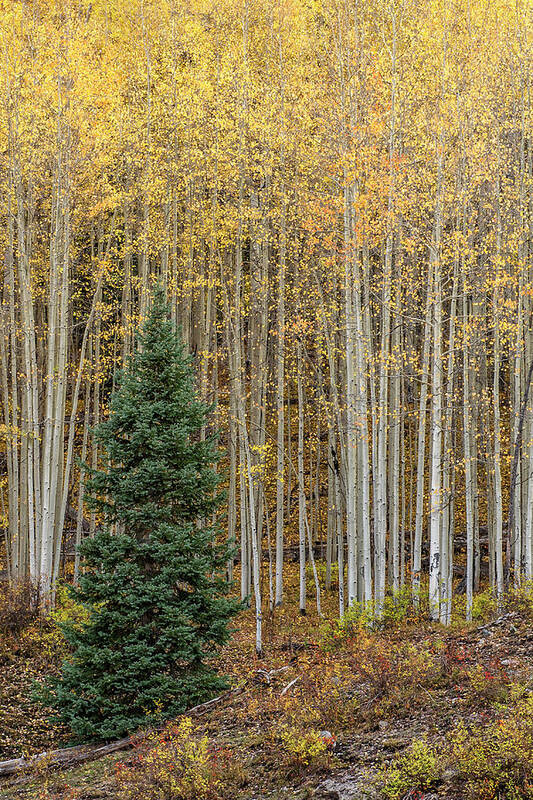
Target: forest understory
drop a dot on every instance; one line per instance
(332, 710)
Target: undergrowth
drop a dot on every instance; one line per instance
(320, 680)
(178, 764)
(481, 762)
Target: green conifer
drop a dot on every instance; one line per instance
(153, 577)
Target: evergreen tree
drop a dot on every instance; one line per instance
(153, 576)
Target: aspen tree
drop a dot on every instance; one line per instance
(302, 507)
(435, 266)
(381, 443)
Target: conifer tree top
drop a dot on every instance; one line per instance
(160, 469)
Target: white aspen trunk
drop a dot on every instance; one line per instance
(351, 394)
(516, 491)
(435, 513)
(515, 531)
(11, 404)
(469, 482)
(316, 531)
(302, 511)
(335, 419)
(233, 331)
(350, 462)
(404, 433)
(280, 343)
(126, 304)
(23, 542)
(96, 367)
(449, 588)
(232, 450)
(497, 496)
(246, 510)
(255, 550)
(394, 487)
(527, 233)
(515, 511)
(257, 338)
(269, 547)
(380, 497)
(340, 540)
(528, 532)
(10, 530)
(280, 410)
(31, 374)
(313, 567)
(364, 361)
(436, 491)
(447, 517)
(58, 471)
(421, 446)
(81, 487)
(381, 481)
(50, 464)
(331, 508)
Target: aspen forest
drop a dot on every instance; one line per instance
(330, 204)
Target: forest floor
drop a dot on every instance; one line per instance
(413, 710)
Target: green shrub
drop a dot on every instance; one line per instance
(485, 762)
(67, 610)
(321, 574)
(398, 609)
(484, 607)
(520, 599)
(304, 746)
(495, 762)
(416, 769)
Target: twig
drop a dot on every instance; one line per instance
(288, 686)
